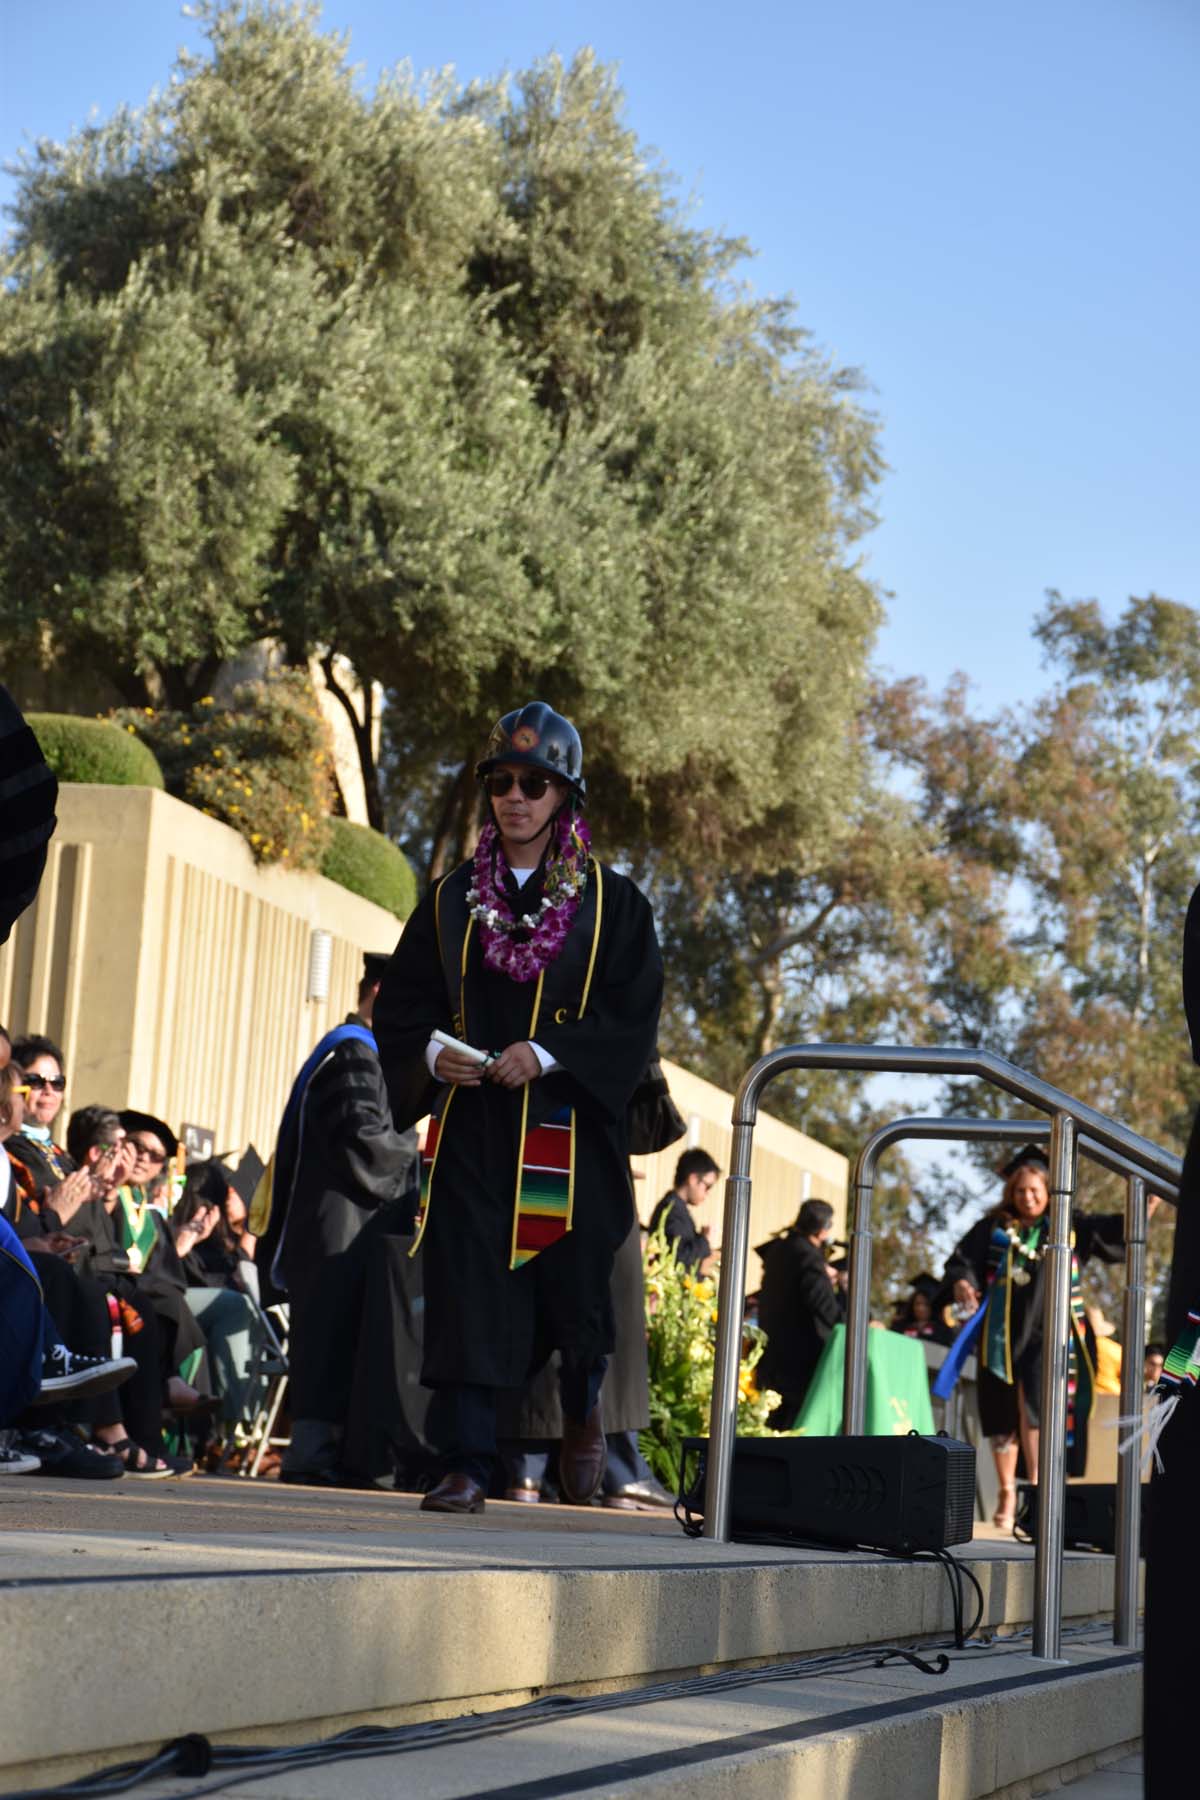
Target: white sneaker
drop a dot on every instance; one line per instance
(14, 1461)
(66, 1373)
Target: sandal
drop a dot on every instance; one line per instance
(141, 1465)
(1005, 1514)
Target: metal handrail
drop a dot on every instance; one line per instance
(862, 1238)
(1068, 1116)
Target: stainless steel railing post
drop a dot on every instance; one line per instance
(1052, 1441)
(858, 1303)
(735, 1245)
(1129, 1473)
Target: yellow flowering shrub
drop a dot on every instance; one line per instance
(260, 764)
(681, 1335)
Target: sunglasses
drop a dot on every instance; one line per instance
(533, 786)
(38, 1082)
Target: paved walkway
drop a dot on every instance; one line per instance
(1120, 1781)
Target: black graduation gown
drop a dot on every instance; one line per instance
(798, 1307)
(353, 1170)
(537, 1418)
(1101, 1235)
(1172, 1562)
(485, 1323)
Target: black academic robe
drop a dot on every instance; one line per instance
(798, 1307)
(1172, 1562)
(353, 1170)
(535, 1416)
(485, 1323)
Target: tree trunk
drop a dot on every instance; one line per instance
(364, 735)
(184, 684)
(447, 826)
(770, 985)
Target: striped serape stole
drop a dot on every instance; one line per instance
(545, 1187)
(1182, 1366)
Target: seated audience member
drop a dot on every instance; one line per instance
(96, 1142)
(71, 1361)
(140, 1229)
(917, 1316)
(41, 1165)
(695, 1177)
(208, 1226)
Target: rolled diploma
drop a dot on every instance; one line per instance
(452, 1043)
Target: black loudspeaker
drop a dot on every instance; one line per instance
(1089, 1517)
(886, 1493)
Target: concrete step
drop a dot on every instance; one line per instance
(994, 1724)
(274, 1614)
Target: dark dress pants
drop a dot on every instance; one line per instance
(463, 1419)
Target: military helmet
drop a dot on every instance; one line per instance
(538, 736)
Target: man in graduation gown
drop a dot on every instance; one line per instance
(340, 1167)
(539, 954)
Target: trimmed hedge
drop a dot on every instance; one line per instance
(94, 750)
(369, 864)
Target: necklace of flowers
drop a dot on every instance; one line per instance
(1027, 1250)
(521, 946)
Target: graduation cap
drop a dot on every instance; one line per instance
(374, 964)
(142, 1121)
(1029, 1155)
(926, 1284)
(248, 1174)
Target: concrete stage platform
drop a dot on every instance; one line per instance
(133, 1613)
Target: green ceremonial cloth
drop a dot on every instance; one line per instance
(897, 1387)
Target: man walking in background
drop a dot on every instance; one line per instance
(695, 1177)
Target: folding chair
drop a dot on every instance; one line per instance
(270, 1368)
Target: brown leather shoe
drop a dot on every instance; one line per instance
(454, 1494)
(582, 1458)
(528, 1492)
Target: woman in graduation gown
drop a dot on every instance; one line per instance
(997, 1268)
(538, 953)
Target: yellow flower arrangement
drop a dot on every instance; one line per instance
(681, 1320)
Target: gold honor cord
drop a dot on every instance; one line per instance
(437, 1151)
(461, 1026)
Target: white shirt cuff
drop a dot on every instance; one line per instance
(433, 1050)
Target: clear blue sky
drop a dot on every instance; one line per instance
(988, 208)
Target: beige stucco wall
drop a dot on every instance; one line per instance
(786, 1167)
(172, 969)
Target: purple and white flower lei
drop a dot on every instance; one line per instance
(521, 947)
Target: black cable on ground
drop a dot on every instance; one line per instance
(195, 1755)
